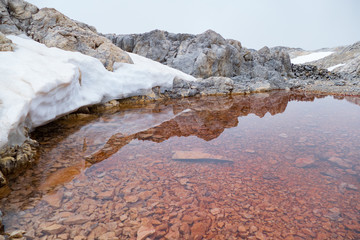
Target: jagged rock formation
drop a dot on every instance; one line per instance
(54, 29)
(348, 59)
(207, 55)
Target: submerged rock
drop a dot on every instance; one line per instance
(305, 162)
(198, 156)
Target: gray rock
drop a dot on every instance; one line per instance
(15, 16)
(207, 55)
(54, 29)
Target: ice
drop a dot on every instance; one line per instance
(39, 84)
(310, 57)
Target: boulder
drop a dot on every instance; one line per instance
(52, 28)
(207, 55)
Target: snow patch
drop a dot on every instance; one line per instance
(336, 66)
(39, 84)
(310, 57)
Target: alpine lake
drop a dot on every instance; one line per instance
(276, 165)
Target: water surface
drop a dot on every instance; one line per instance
(293, 171)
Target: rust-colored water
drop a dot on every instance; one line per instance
(293, 172)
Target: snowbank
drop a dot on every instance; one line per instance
(39, 84)
(310, 57)
(336, 66)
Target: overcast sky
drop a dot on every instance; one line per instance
(309, 24)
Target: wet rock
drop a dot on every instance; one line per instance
(259, 235)
(330, 173)
(108, 236)
(54, 229)
(144, 232)
(340, 162)
(54, 200)
(16, 234)
(253, 229)
(250, 151)
(343, 186)
(215, 211)
(304, 162)
(106, 195)
(198, 156)
(242, 229)
(75, 220)
(97, 232)
(270, 176)
(131, 199)
(198, 230)
(334, 214)
(283, 135)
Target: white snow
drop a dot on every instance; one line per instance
(39, 84)
(336, 66)
(310, 57)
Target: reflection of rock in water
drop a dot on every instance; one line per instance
(352, 99)
(205, 117)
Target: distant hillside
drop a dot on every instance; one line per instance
(343, 59)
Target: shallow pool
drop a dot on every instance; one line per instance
(279, 165)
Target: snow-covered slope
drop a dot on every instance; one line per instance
(310, 57)
(39, 84)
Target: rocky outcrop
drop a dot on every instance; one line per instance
(343, 60)
(5, 43)
(347, 59)
(15, 16)
(207, 55)
(54, 29)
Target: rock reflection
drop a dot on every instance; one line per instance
(205, 118)
(94, 138)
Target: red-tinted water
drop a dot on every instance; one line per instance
(293, 172)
